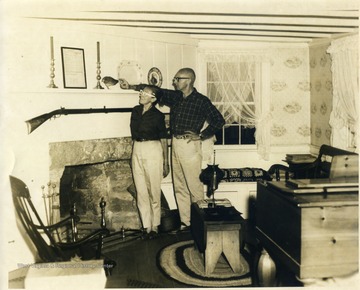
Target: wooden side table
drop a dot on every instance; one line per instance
(216, 231)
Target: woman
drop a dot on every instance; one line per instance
(150, 162)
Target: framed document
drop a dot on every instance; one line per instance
(73, 65)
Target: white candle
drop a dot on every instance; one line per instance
(98, 51)
(51, 47)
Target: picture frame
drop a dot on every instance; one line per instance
(73, 65)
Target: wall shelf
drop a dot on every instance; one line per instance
(76, 91)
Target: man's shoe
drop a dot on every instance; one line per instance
(184, 228)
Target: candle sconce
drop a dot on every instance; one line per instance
(98, 70)
(52, 65)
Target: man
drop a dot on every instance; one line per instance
(188, 112)
(150, 162)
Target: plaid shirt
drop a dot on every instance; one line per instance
(190, 113)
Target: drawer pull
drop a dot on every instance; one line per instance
(333, 240)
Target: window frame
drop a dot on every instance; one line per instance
(262, 74)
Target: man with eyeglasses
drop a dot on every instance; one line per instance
(149, 162)
(188, 112)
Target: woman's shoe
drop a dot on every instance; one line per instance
(145, 235)
(153, 235)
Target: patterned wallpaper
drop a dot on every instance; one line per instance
(290, 96)
(321, 95)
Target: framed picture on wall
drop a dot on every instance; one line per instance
(73, 65)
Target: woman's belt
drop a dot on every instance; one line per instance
(144, 140)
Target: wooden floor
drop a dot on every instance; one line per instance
(137, 264)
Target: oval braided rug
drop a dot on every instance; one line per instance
(183, 263)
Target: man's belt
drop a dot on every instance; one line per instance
(184, 136)
(144, 140)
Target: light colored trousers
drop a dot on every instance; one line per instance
(186, 168)
(147, 168)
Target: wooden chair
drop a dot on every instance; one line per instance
(321, 167)
(87, 248)
(279, 172)
(330, 162)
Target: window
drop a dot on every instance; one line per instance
(232, 87)
(238, 84)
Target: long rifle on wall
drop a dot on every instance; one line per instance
(34, 123)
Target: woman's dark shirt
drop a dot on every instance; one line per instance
(147, 126)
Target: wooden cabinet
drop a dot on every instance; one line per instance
(315, 235)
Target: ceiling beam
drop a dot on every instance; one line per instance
(231, 27)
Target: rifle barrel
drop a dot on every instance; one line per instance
(36, 122)
(64, 111)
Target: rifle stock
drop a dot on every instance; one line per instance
(36, 122)
(33, 123)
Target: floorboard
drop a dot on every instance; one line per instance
(137, 263)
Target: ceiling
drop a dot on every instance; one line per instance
(246, 20)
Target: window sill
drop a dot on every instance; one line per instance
(243, 148)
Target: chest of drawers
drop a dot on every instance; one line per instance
(314, 235)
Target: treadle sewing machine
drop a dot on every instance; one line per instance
(310, 225)
(216, 224)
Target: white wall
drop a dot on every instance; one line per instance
(27, 71)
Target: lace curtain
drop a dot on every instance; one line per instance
(345, 112)
(236, 81)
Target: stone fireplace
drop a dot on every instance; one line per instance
(86, 171)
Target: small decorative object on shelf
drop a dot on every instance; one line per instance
(130, 71)
(155, 77)
(52, 65)
(98, 71)
(109, 81)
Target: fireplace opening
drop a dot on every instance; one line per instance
(86, 184)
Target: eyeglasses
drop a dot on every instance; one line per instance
(179, 78)
(145, 93)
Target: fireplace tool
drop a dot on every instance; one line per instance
(102, 205)
(48, 199)
(45, 204)
(125, 235)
